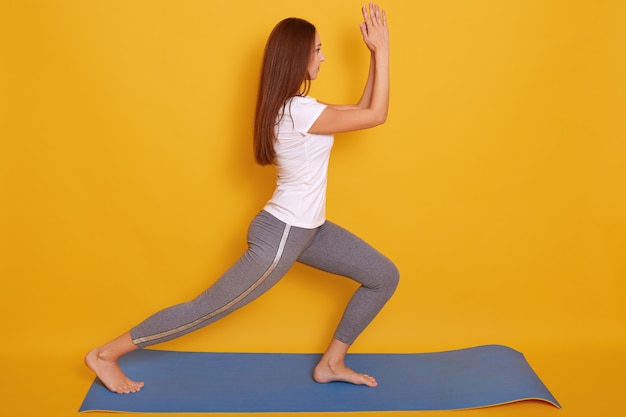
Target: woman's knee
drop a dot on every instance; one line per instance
(392, 278)
(388, 278)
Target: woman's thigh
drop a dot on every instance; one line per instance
(337, 250)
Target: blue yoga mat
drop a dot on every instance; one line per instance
(195, 382)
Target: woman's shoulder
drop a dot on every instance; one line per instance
(299, 113)
(306, 104)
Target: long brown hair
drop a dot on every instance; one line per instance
(283, 74)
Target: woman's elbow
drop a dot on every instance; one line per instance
(379, 119)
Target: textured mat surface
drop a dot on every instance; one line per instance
(268, 382)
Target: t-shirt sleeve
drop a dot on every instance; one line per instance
(304, 113)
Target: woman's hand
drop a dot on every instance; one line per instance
(374, 28)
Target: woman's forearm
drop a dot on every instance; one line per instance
(379, 99)
(376, 36)
(366, 97)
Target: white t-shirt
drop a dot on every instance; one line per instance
(301, 166)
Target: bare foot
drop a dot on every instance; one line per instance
(326, 372)
(110, 373)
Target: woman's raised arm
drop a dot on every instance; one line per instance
(374, 103)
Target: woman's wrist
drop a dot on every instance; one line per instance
(380, 55)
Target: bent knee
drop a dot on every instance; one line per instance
(393, 278)
(388, 280)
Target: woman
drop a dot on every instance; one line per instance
(294, 133)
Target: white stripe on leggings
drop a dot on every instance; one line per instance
(279, 253)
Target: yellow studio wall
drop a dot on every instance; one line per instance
(497, 185)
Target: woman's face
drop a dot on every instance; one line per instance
(317, 57)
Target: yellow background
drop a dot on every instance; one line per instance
(497, 185)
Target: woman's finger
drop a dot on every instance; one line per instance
(366, 16)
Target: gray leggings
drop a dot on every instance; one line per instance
(273, 247)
